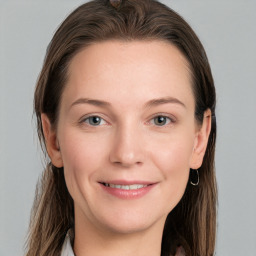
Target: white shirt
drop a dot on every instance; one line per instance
(68, 251)
(66, 247)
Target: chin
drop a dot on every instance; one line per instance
(128, 227)
(129, 222)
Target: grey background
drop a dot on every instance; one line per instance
(227, 30)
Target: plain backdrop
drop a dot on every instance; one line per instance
(226, 28)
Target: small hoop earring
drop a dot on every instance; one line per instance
(194, 177)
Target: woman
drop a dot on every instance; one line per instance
(125, 107)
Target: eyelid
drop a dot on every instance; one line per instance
(170, 117)
(84, 118)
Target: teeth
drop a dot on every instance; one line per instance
(126, 187)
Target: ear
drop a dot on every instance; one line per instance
(51, 142)
(201, 140)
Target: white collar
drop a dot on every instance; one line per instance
(68, 251)
(66, 247)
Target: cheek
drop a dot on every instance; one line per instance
(82, 157)
(174, 153)
(80, 150)
(173, 162)
(172, 158)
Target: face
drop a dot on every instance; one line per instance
(126, 134)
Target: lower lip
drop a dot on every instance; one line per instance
(127, 194)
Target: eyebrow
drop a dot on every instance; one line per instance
(149, 104)
(94, 102)
(165, 100)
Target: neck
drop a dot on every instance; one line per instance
(90, 240)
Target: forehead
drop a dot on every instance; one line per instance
(136, 69)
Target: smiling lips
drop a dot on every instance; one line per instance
(126, 187)
(121, 190)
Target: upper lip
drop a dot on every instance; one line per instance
(128, 182)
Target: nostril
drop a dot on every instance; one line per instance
(126, 151)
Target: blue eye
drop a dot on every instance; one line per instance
(161, 120)
(94, 120)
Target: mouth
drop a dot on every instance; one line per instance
(126, 187)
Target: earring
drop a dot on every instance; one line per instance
(194, 177)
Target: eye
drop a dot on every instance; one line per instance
(94, 120)
(161, 120)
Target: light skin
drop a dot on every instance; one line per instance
(126, 115)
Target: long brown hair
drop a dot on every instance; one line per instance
(192, 223)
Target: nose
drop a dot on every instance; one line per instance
(127, 148)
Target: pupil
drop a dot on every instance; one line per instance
(95, 120)
(160, 120)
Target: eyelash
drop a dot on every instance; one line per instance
(88, 118)
(171, 120)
